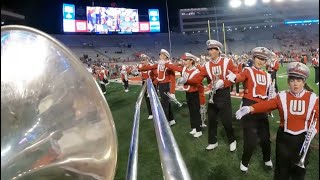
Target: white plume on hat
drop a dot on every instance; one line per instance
(165, 52)
(214, 44)
(298, 69)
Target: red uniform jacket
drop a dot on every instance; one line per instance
(148, 74)
(164, 75)
(256, 83)
(218, 68)
(185, 72)
(273, 67)
(295, 111)
(315, 62)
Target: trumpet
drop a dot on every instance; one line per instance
(213, 89)
(306, 144)
(173, 99)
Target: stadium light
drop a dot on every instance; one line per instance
(279, 0)
(266, 1)
(235, 3)
(250, 2)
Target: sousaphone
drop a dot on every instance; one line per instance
(55, 122)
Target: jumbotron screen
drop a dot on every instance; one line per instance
(109, 20)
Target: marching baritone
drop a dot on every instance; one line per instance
(166, 82)
(238, 66)
(202, 96)
(219, 105)
(272, 67)
(145, 75)
(192, 95)
(299, 122)
(257, 83)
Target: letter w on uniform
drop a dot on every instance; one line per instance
(261, 79)
(297, 107)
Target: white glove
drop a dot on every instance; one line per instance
(181, 81)
(135, 72)
(231, 76)
(219, 84)
(172, 95)
(242, 111)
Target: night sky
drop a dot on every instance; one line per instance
(46, 15)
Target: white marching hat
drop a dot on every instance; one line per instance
(165, 52)
(298, 69)
(261, 52)
(144, 57)
(187, 56)
(214, 44)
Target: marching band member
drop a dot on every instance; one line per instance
(297, 108)
(257, 83)
(238, 66)
(164, 79)
(145, 75)
(220, 101)
(103, 79)
(272, 67)
(124, 77)
(192, 95)
(315, 64)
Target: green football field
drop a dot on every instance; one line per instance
(218, 164)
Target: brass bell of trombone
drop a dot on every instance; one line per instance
(55, 122)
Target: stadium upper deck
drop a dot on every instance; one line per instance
(196, 19)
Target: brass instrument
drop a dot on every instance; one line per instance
(173, 99)
(271, 92)
(203, 111)
(306, 144)
(55, 122)
(213, 89)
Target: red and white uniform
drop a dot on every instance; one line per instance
(295, 110)
(186, 72)
(315, 61)
(211, 69)
(147, 74)
(164, 75)
(274, 66)
(256, 83)
(125, 73)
